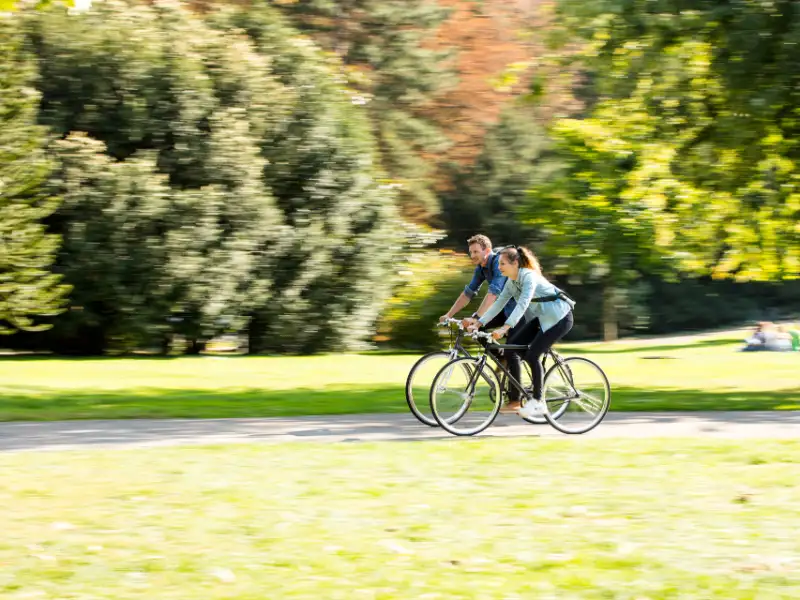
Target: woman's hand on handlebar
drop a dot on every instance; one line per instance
(500, 332)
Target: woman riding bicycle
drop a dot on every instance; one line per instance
(547, 309)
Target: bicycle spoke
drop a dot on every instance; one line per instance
(559, 399)
(418, 385)
(448, 373)
(580, 410)
(468, 403)
(584, 398)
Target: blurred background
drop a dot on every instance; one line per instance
(299, 176)
(260, 208)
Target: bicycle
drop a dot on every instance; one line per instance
(470, 382)
(418, 382)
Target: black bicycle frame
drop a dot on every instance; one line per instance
(517, 347)
(457, 345)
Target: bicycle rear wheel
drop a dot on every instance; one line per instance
(418, 385)
(577, 395)
(465, 396)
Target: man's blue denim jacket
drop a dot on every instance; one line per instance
(490, 273)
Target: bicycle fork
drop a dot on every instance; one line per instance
(582, 399)
(468, 395)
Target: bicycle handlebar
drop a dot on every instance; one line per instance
(448, 322)
(482, 335)
(475, 335)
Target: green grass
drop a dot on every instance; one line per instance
(687, 373)
(478, 518)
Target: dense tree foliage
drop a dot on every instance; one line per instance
(29, 289)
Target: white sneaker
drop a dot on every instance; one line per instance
(533, 408)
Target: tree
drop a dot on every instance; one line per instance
(717, 84)
(260, 198)
(29, 289)
(682, 164)
(131, 78)
(332, 273)
(487, 194)
(387, 46)
(112, 219)
(603, 221)
(221, 234)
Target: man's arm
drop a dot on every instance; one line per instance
(496, 285)
(460, 303)
(468, 294)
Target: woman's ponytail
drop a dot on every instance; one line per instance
(524, 257)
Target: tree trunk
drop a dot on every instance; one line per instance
(610, 329)
(195, 347)
(86, 341)
(166, 344)
(255, 335)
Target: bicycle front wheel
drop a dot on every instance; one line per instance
(418, 385)
(577, 395)
(465, 396)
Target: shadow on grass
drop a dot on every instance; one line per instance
(41, 404)
(578, 349)
(652, 399)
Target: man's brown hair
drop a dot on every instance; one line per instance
(480, 239)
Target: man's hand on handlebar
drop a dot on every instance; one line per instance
(471, 324)
(448, 321)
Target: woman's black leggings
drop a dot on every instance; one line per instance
(538, 343)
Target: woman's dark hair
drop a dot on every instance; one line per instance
(523, 256)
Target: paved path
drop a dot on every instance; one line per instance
(170, 432)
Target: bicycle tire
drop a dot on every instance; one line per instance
(422, 417)
(494, 395)
(559, 424)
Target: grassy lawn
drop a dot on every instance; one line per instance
(478, 518)
(686, 373)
